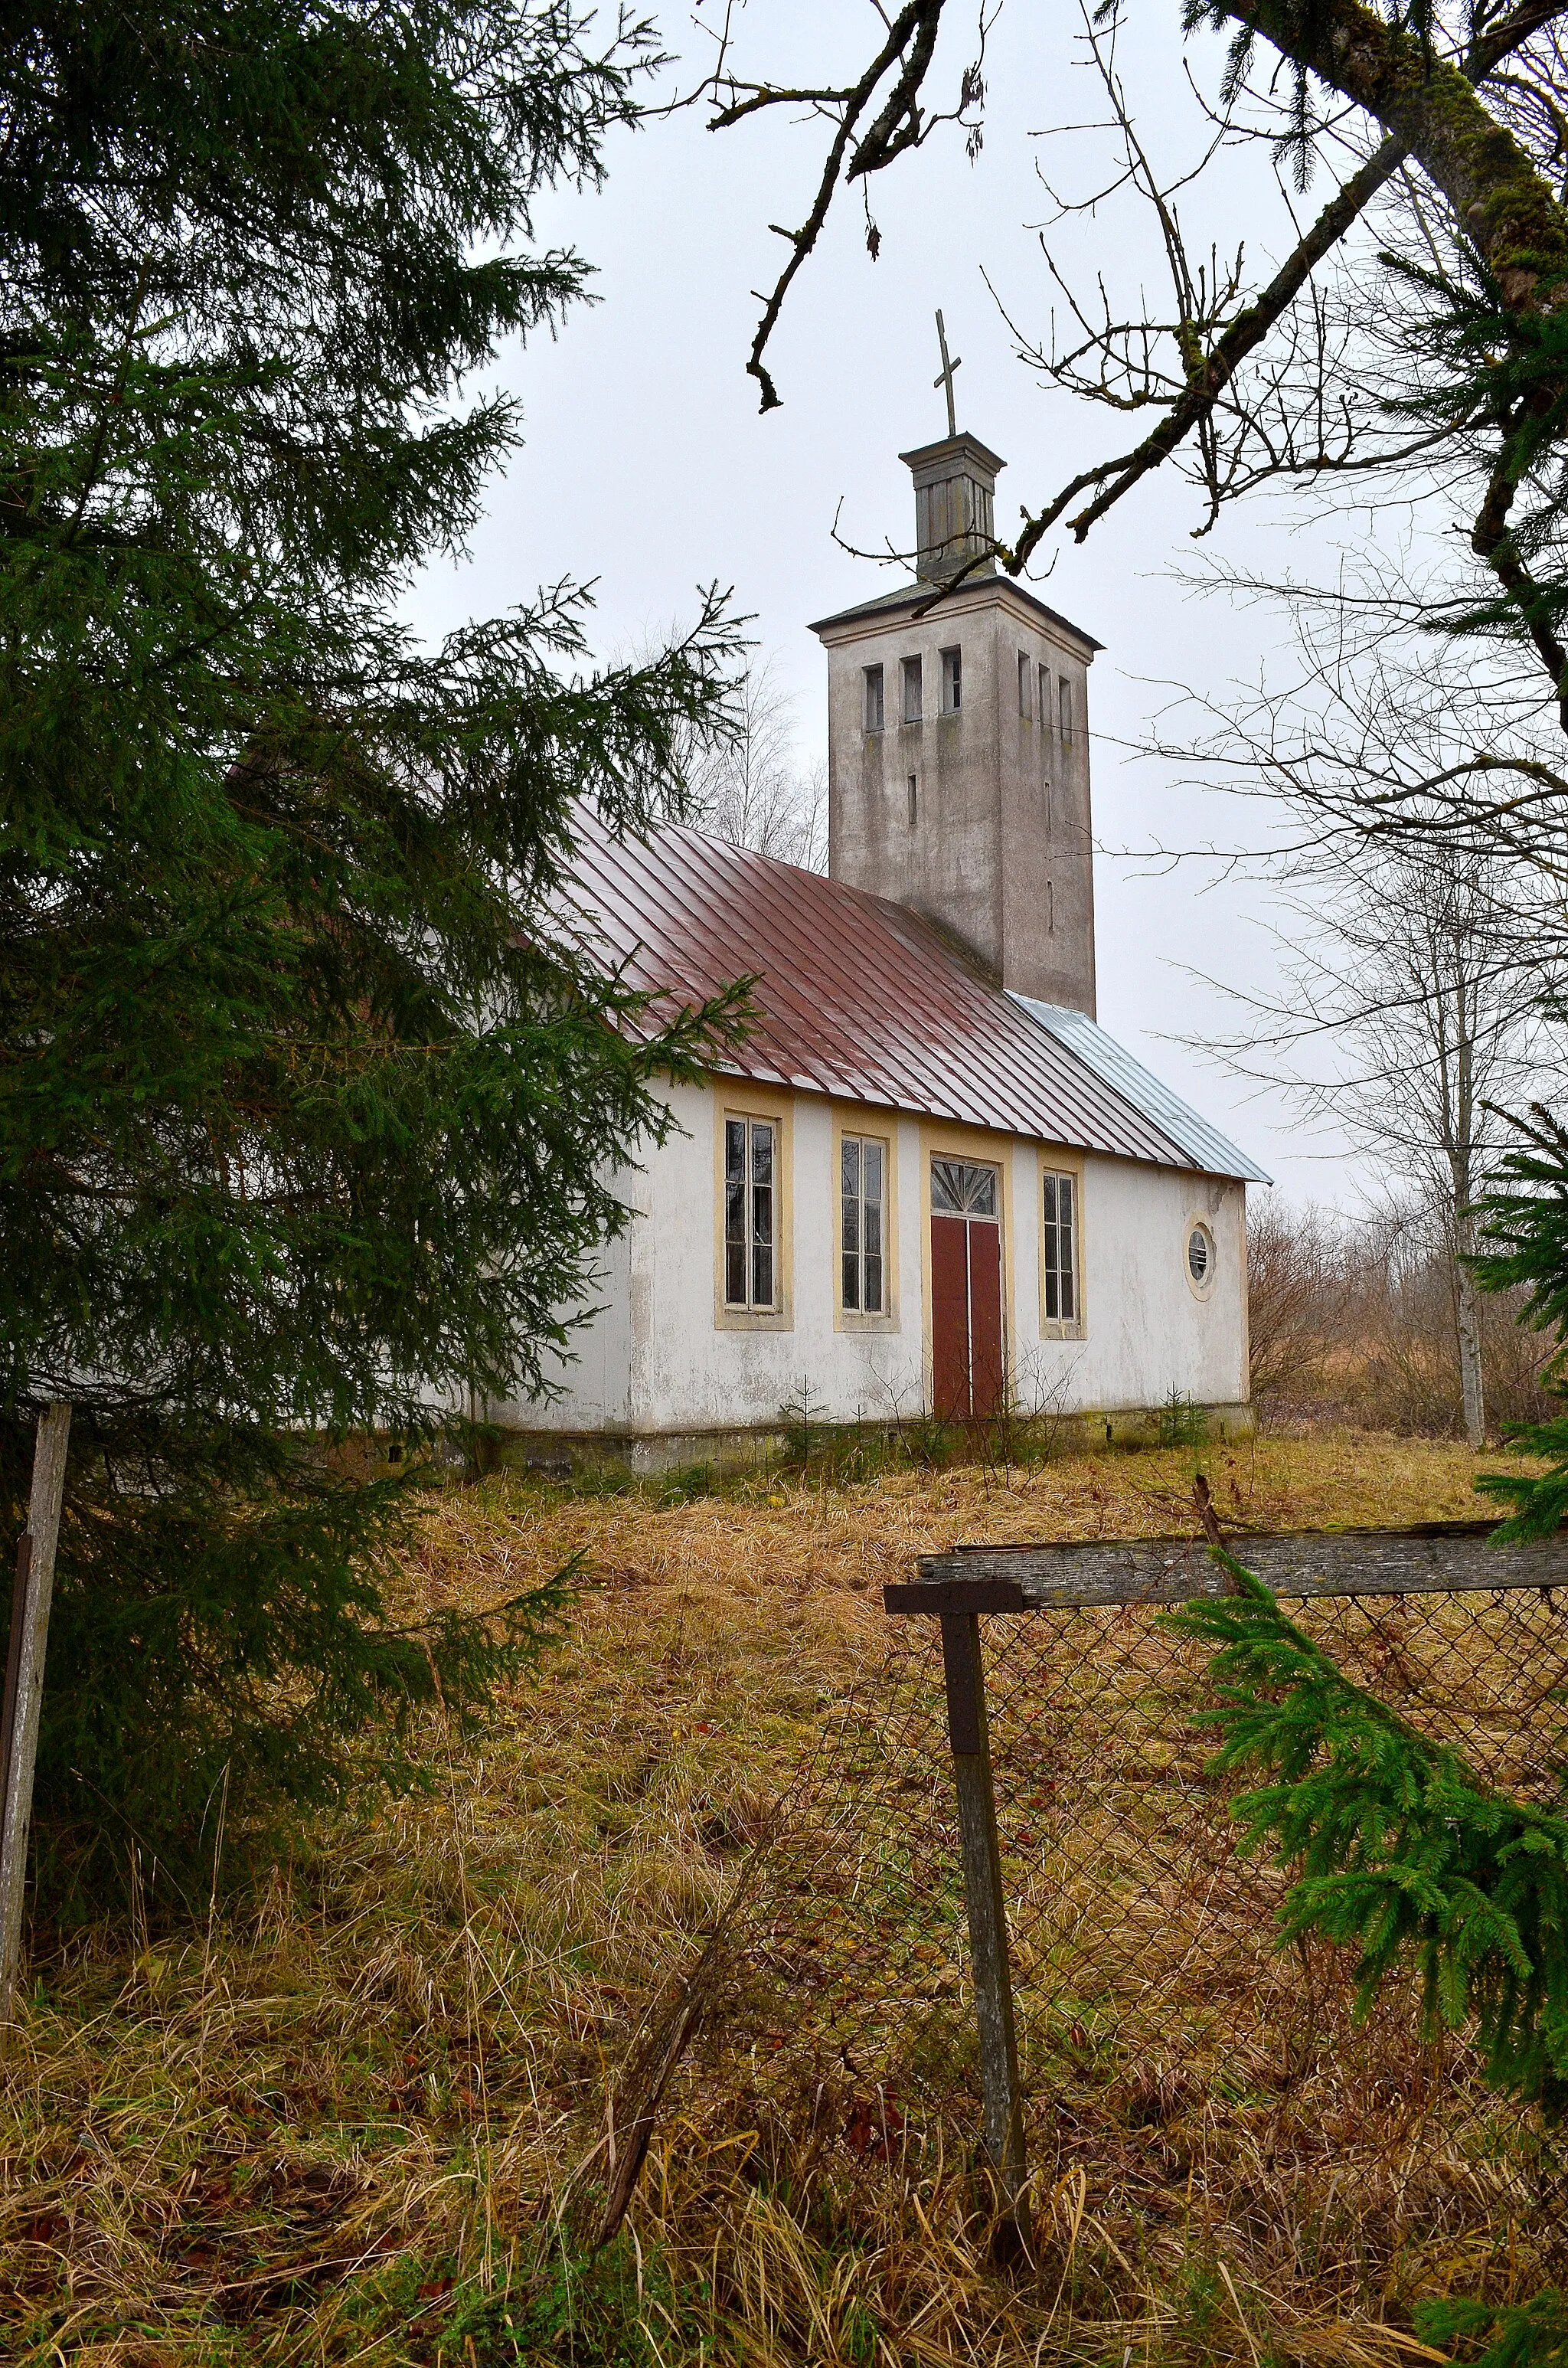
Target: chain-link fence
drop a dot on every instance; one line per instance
(1179, 2072)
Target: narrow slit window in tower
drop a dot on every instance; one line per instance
(1024, 671)
(1065, 698)
(913, 692)
(914, 801)
(952, 681)
(873, 699)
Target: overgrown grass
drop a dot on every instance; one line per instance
(343, 2117)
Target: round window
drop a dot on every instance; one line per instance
(1200, 1256)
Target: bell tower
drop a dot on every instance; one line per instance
(958, 743)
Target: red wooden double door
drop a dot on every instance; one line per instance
(966, 1291)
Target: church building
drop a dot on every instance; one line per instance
(929, 1183)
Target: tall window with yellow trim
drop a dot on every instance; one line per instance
(1060, 1217)
(863, 1223)
(751, 1212)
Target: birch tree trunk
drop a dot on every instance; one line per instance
(34, 1588)
(1461, 1171)
(1468, 1312)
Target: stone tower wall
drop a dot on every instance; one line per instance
(999, 847)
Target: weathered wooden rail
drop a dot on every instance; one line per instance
(1434, 1558)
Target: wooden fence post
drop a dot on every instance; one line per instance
(1001, 2097)
(33, 1589)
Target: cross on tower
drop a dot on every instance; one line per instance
(944, 377)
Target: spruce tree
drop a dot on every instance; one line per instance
(308, 1101)
(1525, 1231)
(1402, 1852)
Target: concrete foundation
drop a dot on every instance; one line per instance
(560, 1454)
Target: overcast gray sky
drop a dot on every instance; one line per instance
(648, 468)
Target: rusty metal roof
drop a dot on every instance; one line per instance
(857, 998)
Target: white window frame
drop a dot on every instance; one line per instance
(874, 696)
(1201, 1287)
(750, 1128)
(1055, 1171)
(951, 664)
(853, 1244)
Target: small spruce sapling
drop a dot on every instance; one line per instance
(1403, 1853)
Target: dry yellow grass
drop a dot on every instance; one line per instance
(342, 2123)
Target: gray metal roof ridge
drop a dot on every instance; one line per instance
(1209, 1150)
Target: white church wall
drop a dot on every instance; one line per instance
(1148, 1333)
(592, 1377)
(691, 1372)
(663, 1357)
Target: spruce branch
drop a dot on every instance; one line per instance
(1400, 1850)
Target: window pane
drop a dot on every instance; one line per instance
(762, 1230)
(952, 679)
(1069, 1251)
(736, 1212)
(873, 1182)
(862, 1225)
(850, 1172)
(969, 1192)
(980, 1197)
(947, 1184)
(1023, 683)
(1064, 695)
(913, 692)
(761, 1215)
(1059, 1248)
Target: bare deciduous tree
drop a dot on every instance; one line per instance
(751, 790)
(1412, 1006)
(1405, 344)
(1290, 1269)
